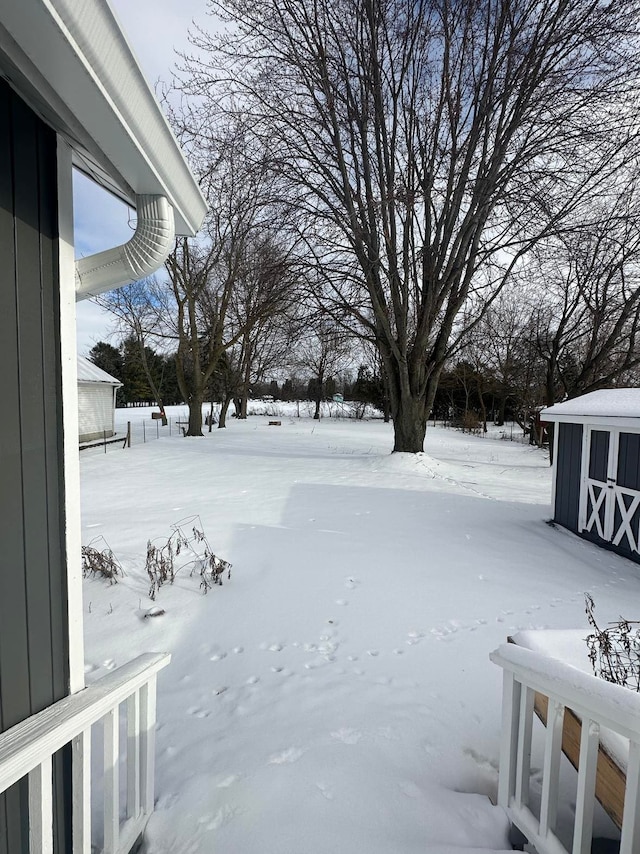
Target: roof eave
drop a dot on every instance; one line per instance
(70, 60)
(575, 418)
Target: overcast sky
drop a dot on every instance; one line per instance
(154, 29)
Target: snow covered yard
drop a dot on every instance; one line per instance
(336, 694)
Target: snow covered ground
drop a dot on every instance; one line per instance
(336, 694)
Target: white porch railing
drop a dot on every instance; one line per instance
(598, 704)
(27, 750)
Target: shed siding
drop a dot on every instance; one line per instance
(568, 475)
(33, 617)
(95, 410)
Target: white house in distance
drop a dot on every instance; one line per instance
(96, 401)
(71, 95)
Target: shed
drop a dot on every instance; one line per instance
(96, 401)
(71, 94)
(596, 468)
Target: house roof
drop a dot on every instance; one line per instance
(71, 62)
(616, 403)
(90, 373)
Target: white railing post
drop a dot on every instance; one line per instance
(585, 797)
(509, 738)
(551, 767)
(147, 743)
(111, 782)
(133, 755)
(523, 762)
(81, 792)
(41, 808)
(630, 839)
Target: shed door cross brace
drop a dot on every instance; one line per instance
(599, 500)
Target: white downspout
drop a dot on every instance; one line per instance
(141, 256)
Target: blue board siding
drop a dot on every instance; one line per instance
(569, 461)
(33, 596)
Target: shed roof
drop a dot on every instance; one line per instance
(606, 403)
(90, 373)
(71, 62)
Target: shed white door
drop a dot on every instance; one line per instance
(611, 496)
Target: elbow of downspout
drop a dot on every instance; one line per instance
(142, 255)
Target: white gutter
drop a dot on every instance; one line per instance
(142, 255)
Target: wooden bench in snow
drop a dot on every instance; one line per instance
(611, 778)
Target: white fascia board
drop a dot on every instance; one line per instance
(74, 62)
(604, 421)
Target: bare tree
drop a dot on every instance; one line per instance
(587, 329)
(425, 142)
(503, 339)
(322, 354)
(204, 282)
(135, 310)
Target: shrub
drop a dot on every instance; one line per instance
(615, 651)
(100, 562)
(187, 537)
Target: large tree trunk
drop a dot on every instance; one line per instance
(222, 418)
(195, 414)
(409, 425)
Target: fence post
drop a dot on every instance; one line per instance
(104, 440)
(128, 434)
(144, 431)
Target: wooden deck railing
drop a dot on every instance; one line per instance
(597, 704)
(27, 750)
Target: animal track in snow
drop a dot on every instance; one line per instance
(197, 712)
(351, 583)
(292, 754)
(347, 735)
(341, 602)
(218, 656)
(325, 791)
(225, 814)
